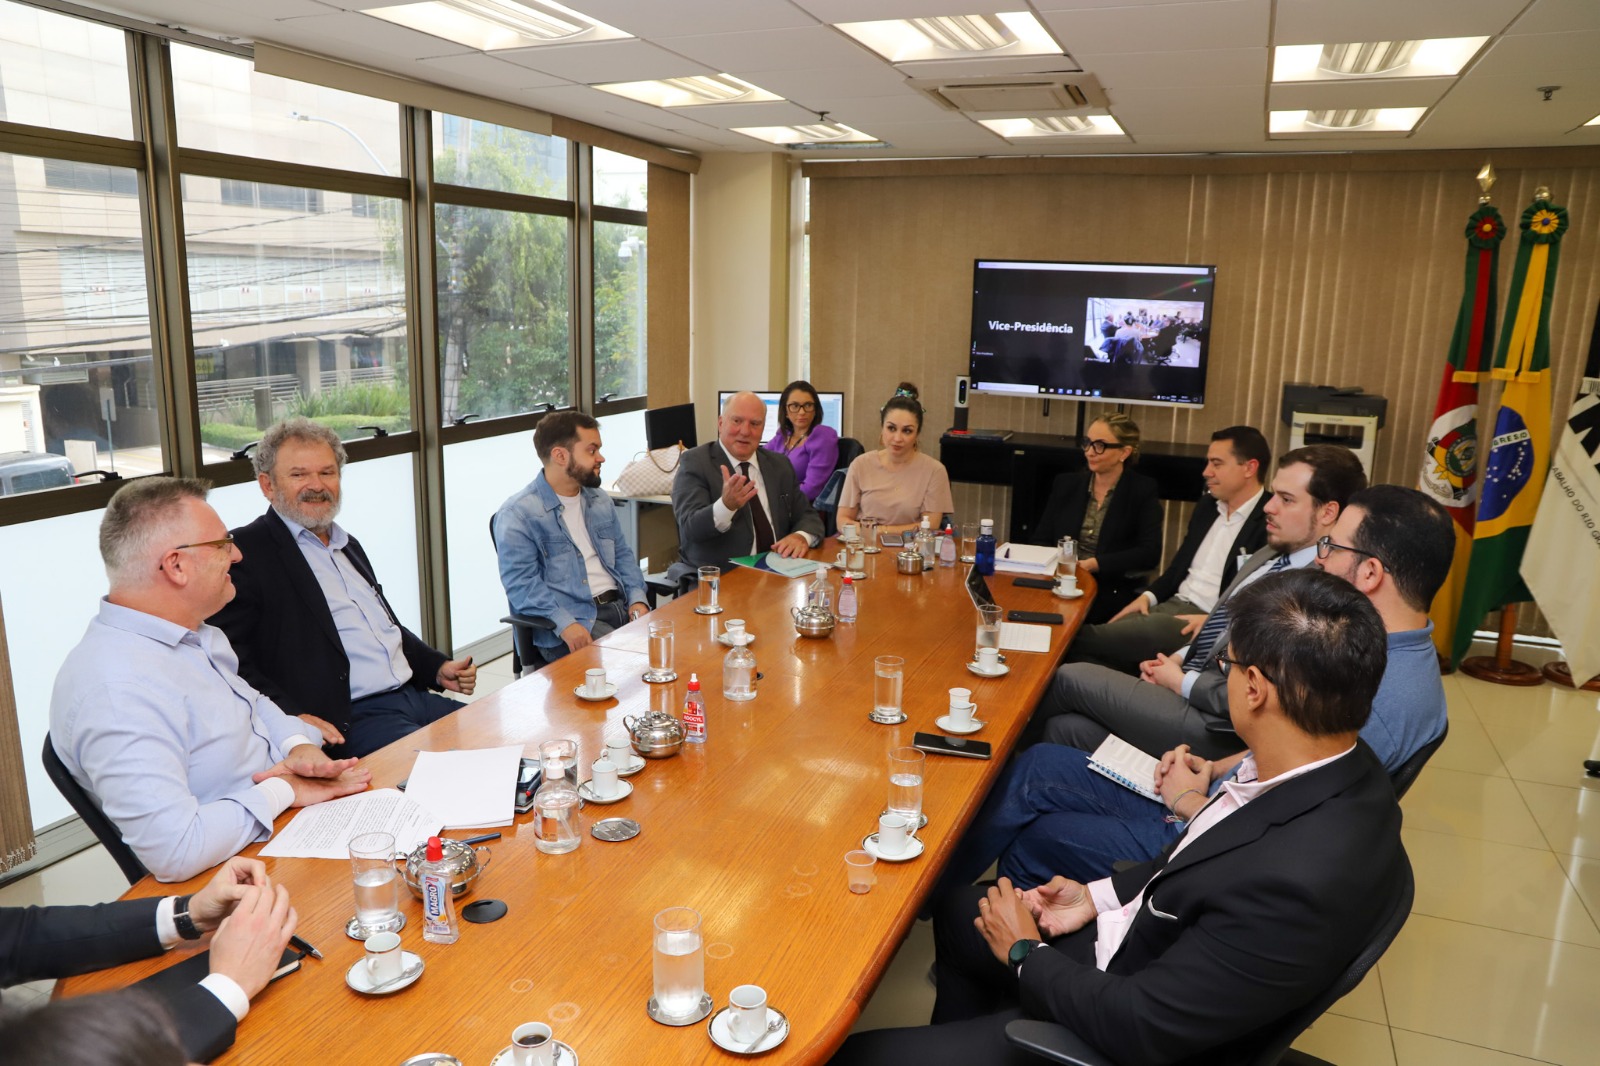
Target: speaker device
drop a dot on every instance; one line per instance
(960, 419)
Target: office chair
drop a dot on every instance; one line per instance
(522, 627)
(827, 502)
(1269, 1045)
(1406, 774)
(91, 814)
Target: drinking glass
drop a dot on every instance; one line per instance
(969, 542)
(1066, 557)
(988, 628)
(679, 968)
(710, 585)
(888, 683)
(377, 884)
(905, 785)
(858, 867)
(565, 751)
(661, 650)
(869, 534)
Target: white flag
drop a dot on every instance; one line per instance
(1562, 562)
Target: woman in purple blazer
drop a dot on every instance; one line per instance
(812, 447)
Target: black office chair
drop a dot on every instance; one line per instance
(827, 501)
(1406, 775)
(91, 814)
(522, 627)
(1268, 1046)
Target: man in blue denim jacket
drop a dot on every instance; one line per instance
(561, 550)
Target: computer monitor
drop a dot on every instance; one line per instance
(832, 410)
(666, 426)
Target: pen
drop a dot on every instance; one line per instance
(481, 839)
(305, 946)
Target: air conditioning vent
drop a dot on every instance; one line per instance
(1014, 95)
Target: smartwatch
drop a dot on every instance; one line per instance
(1019, 952)
(185, 924)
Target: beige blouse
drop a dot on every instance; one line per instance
(899, 496)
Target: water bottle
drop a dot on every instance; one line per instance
(925, 545)
(985, 552)
(947, 547)
(739, 668)
(847, 600)
(439, 924)
(694, 713)
(555, 807)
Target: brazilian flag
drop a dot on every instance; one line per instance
(1519, 450)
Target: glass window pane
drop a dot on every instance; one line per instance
(297, 302)
(63, 72)
(620, 180)
(479, 475)
(76, 376)
(225, 105)
(485, 156)
(620, 276)
(503, 300)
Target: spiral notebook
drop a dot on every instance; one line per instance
(1127, 766)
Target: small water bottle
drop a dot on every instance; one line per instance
(847, 600)
(694, 713)
(439, 924)
(947, 547)
(925, 545)
(985, 553)
(739, 668)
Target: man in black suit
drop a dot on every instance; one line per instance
(1160, 618)
(309, 620)
(733, 497)
(1273, 889)
(251, 917)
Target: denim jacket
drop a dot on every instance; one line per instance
(540, 566)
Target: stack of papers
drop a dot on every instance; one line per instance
(1026, 559)
(473, 789)
(324, 830)
(1024, 636)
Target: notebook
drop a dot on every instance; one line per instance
(1127, 766)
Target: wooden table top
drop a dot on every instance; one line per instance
(749, 829)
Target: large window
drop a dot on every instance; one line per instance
(621, 273)
(63, 73)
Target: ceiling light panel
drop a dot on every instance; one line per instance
(695, 91)
(1437, 57)
(1007, 34)
(1337, 122)
(1594, 121)
(492, 25)
(809, 135)
(1064, 128)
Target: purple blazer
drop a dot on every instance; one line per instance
(814, 460)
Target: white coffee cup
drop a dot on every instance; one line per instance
(1066, 584)
(958, 696)
(621, 753)
(604, 782)
(893, 832)
(847, 531)
(989, 659)
(961, 714)
(533, 1044)
(383, 957)
(594, 681)
(747, 1013)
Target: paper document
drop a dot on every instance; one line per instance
(1024, 636)
(323, 830)
(1025, 559)
(773, 563)
(470, 789)
(1127, 766)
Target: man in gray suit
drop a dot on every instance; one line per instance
(1177, 696)
(733, 497)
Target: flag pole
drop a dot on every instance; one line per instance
(1558, 673)
(1500, 668)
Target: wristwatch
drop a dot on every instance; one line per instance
(1019, 952)
(185, 924)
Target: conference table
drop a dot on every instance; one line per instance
(749, 828)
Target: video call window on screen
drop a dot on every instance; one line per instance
(1121, 332)
(832, 410)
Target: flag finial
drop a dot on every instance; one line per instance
(1486, 180)
(1542, 193)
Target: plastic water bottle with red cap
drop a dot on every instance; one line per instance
(439, 925)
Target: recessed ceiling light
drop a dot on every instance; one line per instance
(810, 135)
(1068, 126)
(1346, 121)
(692, 91)
(1009, 33)
(490, 25)
(1433, 58)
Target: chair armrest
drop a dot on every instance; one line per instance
(1054, 1042)
(528, 621)
(1221, 726)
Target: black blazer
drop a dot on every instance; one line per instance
(698, 483)
(42, 942)
(1130, 533)
(1251, 536)
(282, 630)
(1252, 921)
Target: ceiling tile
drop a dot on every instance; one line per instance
(226, 18)
(1164, 70)
(651, 18)
(1535, 53)
(485, 73)
(1558, 16)
(631, 60)
(1095, 5)
(876, 10)
(808, 48)
(1479, 106)
(345, 33)
(917, 108)
(1321, 22)
(1221, 111)
(1164, 27)
(1393, 92)
(766, 113)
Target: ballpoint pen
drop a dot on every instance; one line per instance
(481, 839)
(305, 946)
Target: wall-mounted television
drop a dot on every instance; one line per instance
(1118, 332)
(832, 410)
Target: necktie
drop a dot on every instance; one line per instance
(764, 537)
(1215, 623)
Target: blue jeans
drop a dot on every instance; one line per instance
(1050, 814)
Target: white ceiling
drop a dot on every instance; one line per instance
(1180, 75)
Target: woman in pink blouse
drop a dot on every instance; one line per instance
(897, 484)
(812, 447)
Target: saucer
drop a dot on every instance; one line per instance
(353, 930)
(1074, 594)
(564, 1056)
(358, 978)
(722, 638)
(949, 726)
(582, 692)
(632, 768)
(1000, 670)
(586, 791)
(709, 610)
(721, 1029)
(914, 848)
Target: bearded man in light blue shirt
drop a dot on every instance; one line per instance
(149, 712)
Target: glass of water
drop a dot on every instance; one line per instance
(988, 628)
(661, 652)
(679, 968)
(888, 685)
(969, 542)
(377, 885)
(869, 535)
(1066, 557)
(905, 785)
(710, 585)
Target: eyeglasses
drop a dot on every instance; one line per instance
(220, 542)
(1098, 447)
(1225, 664)
(1326, 547)
(801, 408)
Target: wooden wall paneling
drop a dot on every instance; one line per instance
(667, 287)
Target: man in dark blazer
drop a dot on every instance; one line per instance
(1274, 888)
(309, 620)
(733, 497)
(252, 919)
(1227, 525)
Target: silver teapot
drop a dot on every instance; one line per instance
(909, 561)
(655, 735)
(461, 860)
(813, 620)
